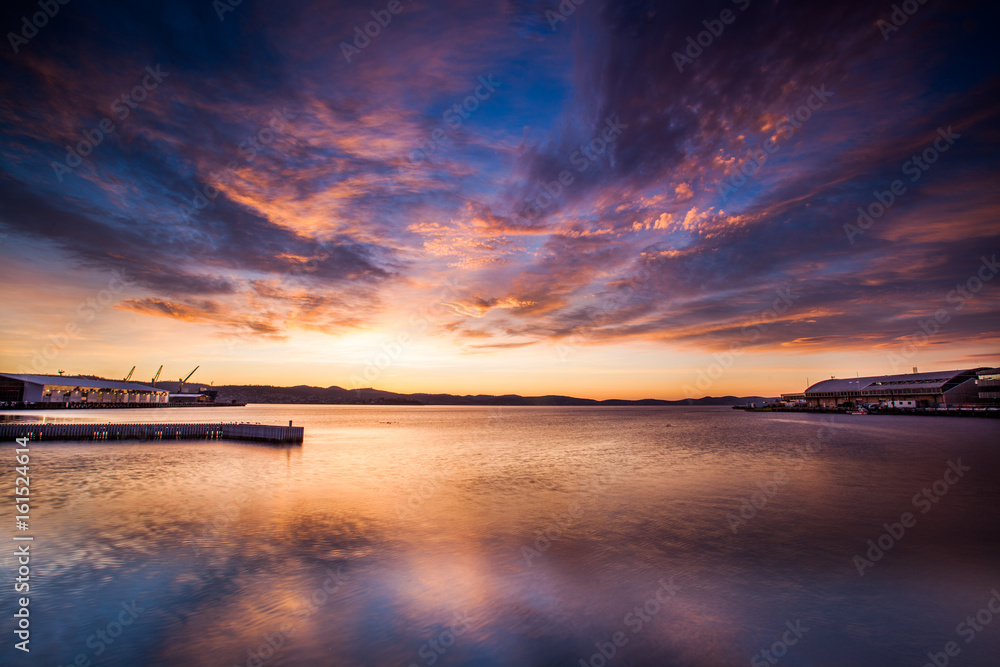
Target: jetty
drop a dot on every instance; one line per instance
(284, 435)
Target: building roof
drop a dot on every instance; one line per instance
(933, 381)
(74, 381)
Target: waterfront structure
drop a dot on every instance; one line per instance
(186, 393)
(66, 389)
(936, 389)
(988, 382)
(203, 396)
(292, 435)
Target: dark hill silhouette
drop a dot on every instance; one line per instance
(339, 395)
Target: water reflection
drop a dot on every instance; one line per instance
(515, 536)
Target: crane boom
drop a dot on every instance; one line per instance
(129, 376)
(157, 376)
(180, 389)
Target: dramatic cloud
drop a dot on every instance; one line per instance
(632, 171)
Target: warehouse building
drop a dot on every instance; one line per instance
(65, 389)
(914, 390)
(988, 381)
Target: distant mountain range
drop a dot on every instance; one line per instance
(339, 395)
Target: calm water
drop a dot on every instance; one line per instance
(513, 536)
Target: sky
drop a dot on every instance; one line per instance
(623, 199)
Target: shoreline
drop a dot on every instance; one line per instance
(983, 411)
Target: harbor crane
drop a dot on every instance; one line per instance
(129, 376)
(181, 388)
(157, 376)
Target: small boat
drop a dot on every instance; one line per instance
(859, 411)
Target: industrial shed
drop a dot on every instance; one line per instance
(65, 389)
(936, 389)
(988, 382)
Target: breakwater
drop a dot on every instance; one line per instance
(291, 435)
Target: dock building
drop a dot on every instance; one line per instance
(66, 389)
(937, 389)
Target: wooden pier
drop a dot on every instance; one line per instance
(287, 435)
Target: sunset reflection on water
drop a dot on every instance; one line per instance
(515, 536)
